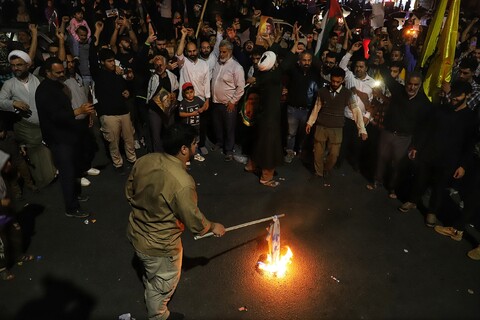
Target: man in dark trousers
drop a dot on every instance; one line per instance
(61, 132)
(303, 82)
(442, 150)
(409, 108)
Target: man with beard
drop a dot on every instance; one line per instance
(441, 152)
(408, 110)
(361, 85)
(111, 92)
(303, 83)
(61, 132)
(228, 83)
(162, 83)
(207, 55)
(127, 44)
(163, 199)
(328, 63)
(160, 46)
(195, 71)
(18, 95)
(466, 74)
(79, 97)
(126, 54)
(327, 114)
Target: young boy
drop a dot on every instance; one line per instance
(10, 232)
(190, 108)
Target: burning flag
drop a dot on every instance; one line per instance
(273, 239)
(275, 263)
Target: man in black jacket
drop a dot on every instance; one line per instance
(111, 93)
(409, 108)
(442, 149)
(303, 82)
(61, 132)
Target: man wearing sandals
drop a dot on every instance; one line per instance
(164, 201)
(10, 232)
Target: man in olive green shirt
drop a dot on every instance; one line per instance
(163, 200)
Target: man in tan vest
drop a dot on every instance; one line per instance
(327, 115)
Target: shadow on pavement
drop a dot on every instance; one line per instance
(62, 300)
(26, 218)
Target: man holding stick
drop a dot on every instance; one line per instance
(163, 200)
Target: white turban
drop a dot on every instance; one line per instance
(21, 54)
(267, 61)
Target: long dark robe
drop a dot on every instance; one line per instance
(267, 150)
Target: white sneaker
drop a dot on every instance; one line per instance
(93, 172)
(84, 182)
(198, 157)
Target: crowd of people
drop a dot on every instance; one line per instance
(256, 90)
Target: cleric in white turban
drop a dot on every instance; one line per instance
(20, 54)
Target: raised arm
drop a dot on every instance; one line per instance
(467, 30)
(113, 38)
(181, 44)
(98, 30)
(131, 34)
(61, 44)
(33, 45)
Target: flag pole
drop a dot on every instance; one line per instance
(200, 22)
(239, 226)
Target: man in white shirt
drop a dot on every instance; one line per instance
(206, 54)
(228, 83)
(18, 95)
(197, 72)
(361, 84)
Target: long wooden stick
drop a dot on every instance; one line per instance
(200, 22)
(239, 226)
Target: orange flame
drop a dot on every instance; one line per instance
(277, 268)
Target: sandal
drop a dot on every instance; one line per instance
(6, 275)
(25, 258)
(271, 183)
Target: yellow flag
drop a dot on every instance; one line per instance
(440, 68)
(433, 31)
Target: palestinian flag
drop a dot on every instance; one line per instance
(329, 20)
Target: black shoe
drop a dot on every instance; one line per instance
(228, 157)
(77, 214)
(176, 316)
(83, 198)
(120, 170)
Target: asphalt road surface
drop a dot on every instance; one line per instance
(354, 255)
